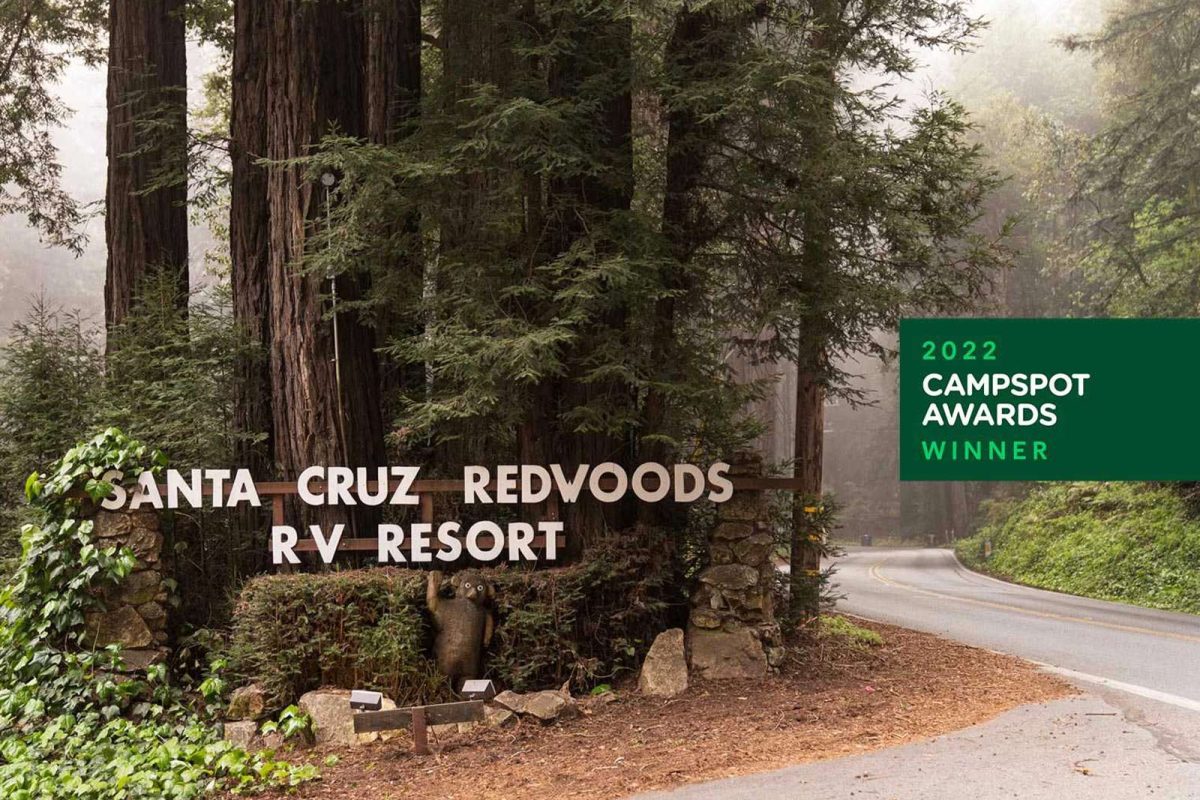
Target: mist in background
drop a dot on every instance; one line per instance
(27, 267)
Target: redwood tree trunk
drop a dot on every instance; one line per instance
(393, 106)
(697, 51)
(807, 539)
(145, 208)
(326, 392)
(812, 366)
(249, 232)
(393, 71)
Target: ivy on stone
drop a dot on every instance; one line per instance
(70, 725)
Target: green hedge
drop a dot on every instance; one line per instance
(1131, 542)
(358, 628)
(369, 627)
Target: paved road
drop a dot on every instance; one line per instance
(1146, 653)
(1081, 747)
(1135, 733)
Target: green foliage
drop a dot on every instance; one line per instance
(840, 628)
(171, 373)
(1166, 250)
(1129, 542)
(355, 628)
(44, 658)
(369, 628)
(587, 623)
(69, 728)
(1139, 178)
(89, 758)
(170, 379)
(574, 282)
(292, 723)
(50, 381)
(817, 591)
(38, 41)
(853, 207)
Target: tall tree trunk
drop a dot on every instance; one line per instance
(249, 233)
(393, 70)
(393, 98)
(323, 372)
(698, 53)
(812, 365)
(146, 204)
(598, 59)
(807, 539)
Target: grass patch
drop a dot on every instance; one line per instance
(1130, 542)
(845, 631)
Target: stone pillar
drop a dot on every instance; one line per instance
(134, 613)
(732, 632)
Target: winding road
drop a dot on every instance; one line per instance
(1136, 723)
(1143, 652)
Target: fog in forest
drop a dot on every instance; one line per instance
(1017, 67)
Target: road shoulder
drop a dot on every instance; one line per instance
(1081, 746)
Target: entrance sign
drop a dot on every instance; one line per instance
(426, 541)
(1049, 399)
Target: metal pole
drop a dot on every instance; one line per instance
(328, 180)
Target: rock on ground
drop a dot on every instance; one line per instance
(497, 716)
(727, 655)
(333, 720)
(664, 672)
(241, 733)
(247, 702)
(547, 706)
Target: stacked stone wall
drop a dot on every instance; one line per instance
(133, 613)
(732, 631)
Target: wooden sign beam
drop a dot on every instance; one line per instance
(440, 714)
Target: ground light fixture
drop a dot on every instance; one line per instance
(478, 690)
(363, 700)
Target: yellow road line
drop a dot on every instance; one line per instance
(876, 573)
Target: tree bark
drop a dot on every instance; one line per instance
(393, 71)
(812, 363)
(324, 373)
(146, 203)
(697, 51)
(393, 99)
(249, 220)
(807, 539)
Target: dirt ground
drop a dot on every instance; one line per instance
(837, 701)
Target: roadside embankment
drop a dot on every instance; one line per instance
(1129, 542)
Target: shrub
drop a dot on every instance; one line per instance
(587, 623)
(369, 628)
(842, 629)
(355, 628)
(1130, 542)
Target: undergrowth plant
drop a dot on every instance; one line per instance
(1129, 542)
(70, 725)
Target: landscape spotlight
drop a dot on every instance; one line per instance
(362, 700)
(478, 690)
